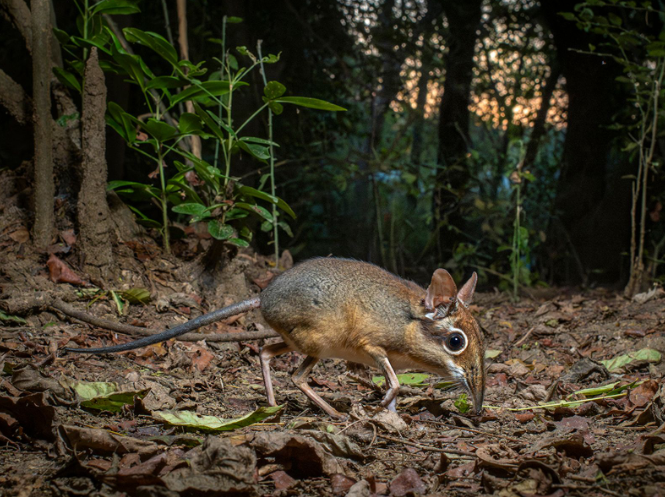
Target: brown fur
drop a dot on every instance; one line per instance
(357, 311)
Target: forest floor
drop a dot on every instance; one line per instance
(104, 425)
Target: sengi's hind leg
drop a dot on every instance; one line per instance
(300, 380)
(266, 354)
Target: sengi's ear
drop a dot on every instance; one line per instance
(466, 292)
(441, 290)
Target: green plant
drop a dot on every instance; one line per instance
(641, 54)
(520, 250)
(203, 191)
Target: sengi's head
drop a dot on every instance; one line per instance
(456, 340)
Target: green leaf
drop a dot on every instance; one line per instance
(105, 396)
(133, 65)
(491, 354)
(568, 16)
(118, 302)
(312, 103)
(190, 124)
(67, 78)
(122, 122)
(193, 421)
(154, 41)
(233, 20)
(136, 295)
(273, 90)
(62, 36)
(219, 231)
(286, 228)
(196, 210)
(164, 82)
(116, 7)
(253, 192)
(10, 317)
(256, 209)
(609, 389)
(649, 355)
(160, 130)
(275, 107)
(149, 189)
(462, 404)
(257, 151)
(205, 90)
(239, 242)
(413, 379)
(252, 139)
(614, 19)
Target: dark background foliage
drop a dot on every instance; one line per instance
(461, 118)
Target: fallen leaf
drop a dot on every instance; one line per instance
(282, 480)
(69, 237)
(648, 355)
(202, 357)
(341, 484)
(407, 482)
(59, 272)
(21, 235)
(360, 489)
(525, 417)
(30, 415)
(306, 457)
(215, 468)
(192, 420)
(101, 441)
(104, 396)
(643, 394)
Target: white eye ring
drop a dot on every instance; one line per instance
(445, 341)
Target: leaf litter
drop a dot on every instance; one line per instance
(574, 405)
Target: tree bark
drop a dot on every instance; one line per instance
(18, 13)
(452, 181)
(195, 141)
(41, 96)
(14, 99)
(93, 210)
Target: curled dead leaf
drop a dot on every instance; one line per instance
(60, 272)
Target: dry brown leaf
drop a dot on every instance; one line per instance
(21, 235)
(59, 272)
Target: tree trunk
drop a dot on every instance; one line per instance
(195, 141)
(41, 96)
(421, 100)
(541, 117)
(93, 210)
(452, 181)
(592, 202)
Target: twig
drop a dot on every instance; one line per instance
(479, 432)
(523, 339)
(430, 449)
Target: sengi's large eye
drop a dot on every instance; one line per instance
(455, 342)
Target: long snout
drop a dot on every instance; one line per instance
(475, 384)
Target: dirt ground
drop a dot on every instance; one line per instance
(56, 439)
